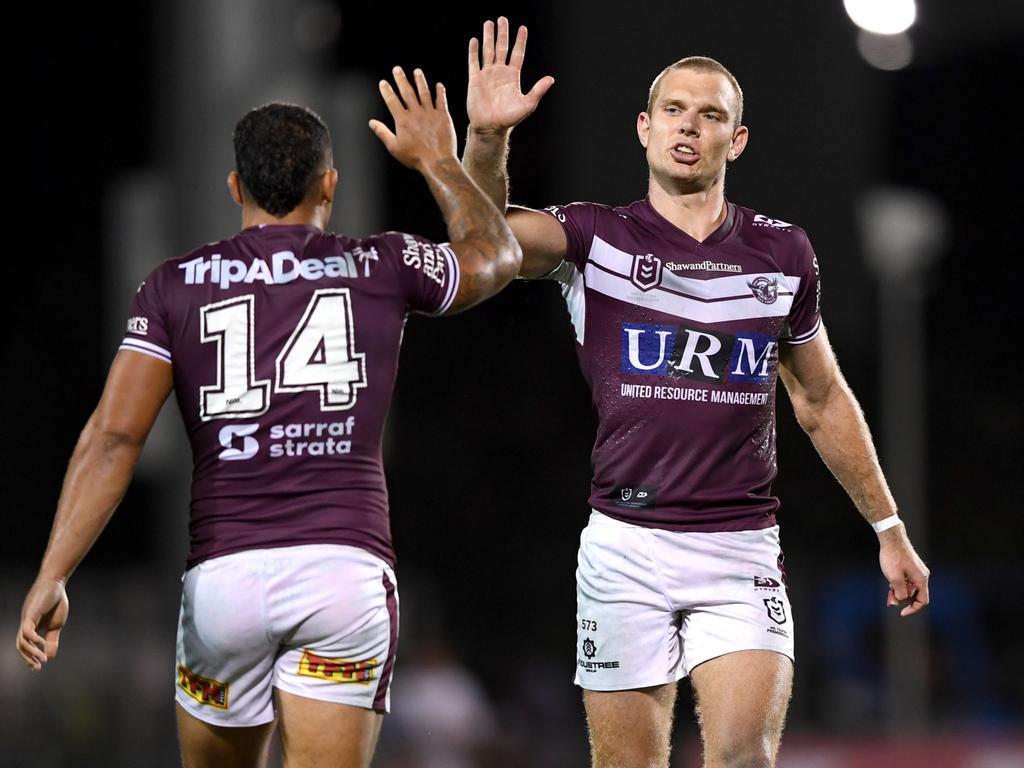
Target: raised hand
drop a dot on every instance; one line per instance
(494, 99)
(423, 133)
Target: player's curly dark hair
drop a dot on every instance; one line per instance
(280, 151)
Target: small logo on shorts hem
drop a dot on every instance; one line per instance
(205, 690)
(777, 631)
(766, 582)
(776, 609)
(589, 649)
(337, 670)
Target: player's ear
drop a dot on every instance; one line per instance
(643, 128)
(739, 142)
(330, 183)
(235, 187)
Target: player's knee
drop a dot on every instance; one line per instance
(741, 752)
(623, 755)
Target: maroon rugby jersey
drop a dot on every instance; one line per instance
(284, 344)
(678, 340)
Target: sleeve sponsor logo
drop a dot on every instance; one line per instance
(557, 212)
(688, 353)
(424, 256)
(337, 670)
(139, 325)
(283, 267)
(205, 690)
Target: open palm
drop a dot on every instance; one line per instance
(494, 99)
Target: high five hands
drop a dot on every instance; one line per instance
(495, 101)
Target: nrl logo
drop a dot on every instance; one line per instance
(646, 271)
(766, 291)
(626, 493)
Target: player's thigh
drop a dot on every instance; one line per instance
(742, 699)
(205, 745)
(627, 631)
(339, 607)
(323, 734)
(630, 729)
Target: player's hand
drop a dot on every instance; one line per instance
(904, 570)
(43, 615)
(423, 133)
(494, 99)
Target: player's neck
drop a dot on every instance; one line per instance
(314, 216)
(698, 214)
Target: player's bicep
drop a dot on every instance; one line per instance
(136, 388)
(542, 239)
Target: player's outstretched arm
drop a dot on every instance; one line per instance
(495, 103)
(424, 140)
(829, 413)
(94, 484)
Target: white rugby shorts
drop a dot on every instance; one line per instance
(319, 621)
(653, 604)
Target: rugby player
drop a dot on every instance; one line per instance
(281, 345)
(687, 308)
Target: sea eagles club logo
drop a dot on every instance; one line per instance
(766, 291)
(646, 271)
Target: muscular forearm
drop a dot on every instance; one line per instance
(485, 160)
(840, 434)
(97, 478)
(488, 252)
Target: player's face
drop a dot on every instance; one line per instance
(690, 133)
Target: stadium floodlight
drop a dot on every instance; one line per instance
(883, 17)
(888, 52)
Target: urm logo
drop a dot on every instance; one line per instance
(681, 352)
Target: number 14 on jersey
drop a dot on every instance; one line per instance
(318, 356)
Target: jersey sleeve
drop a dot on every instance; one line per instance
(147, 330)
(804, 322)
(579, 221)
(428, 272)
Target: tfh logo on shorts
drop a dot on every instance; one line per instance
(776, 609)
(337, 670)
(205, 690)
(646, 271)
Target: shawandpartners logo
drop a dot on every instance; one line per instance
(702, 266)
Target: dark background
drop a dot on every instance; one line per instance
(487, 449)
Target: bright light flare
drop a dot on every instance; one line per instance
(883, 17)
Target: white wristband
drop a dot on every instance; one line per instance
(886, 523)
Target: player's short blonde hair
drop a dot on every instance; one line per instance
(699, 64)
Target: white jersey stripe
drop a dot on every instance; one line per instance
(622, 288)
(137, 345)
(803, 338)
(620, 263)
(574, 293)
(455, 275)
